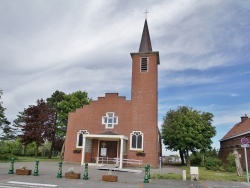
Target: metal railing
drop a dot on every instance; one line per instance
(116, 161)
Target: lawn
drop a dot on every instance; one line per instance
(31, 159)
(204, 175)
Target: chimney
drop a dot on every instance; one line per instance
(243, 118)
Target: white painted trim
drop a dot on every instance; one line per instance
(130, 145)
(26, 183)
(83, 150)
(109, 138)
(78, 134)
(121, 153)
(107, 123)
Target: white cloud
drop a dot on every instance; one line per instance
(74, 45)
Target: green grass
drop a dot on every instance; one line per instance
(32, 159)
(167, 176)
(41, 159)
(204, 175)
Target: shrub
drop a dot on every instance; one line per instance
(213, 163)
(30, 149)
(7, 157)
(231, 165)
(195, 159)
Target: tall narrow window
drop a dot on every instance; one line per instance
(80, 137)
(144, 64)
(136, 140)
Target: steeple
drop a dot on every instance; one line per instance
(145, 45)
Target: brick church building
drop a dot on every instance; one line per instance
(231, 142)
(113, 127)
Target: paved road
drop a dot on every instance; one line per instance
(48, 172)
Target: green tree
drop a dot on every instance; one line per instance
(7, 132)
(187, 130)
(18, 123)
(53, 101)
(70, 103)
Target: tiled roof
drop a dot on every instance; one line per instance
(238, 129)
(145, 45)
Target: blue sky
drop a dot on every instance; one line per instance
(73, 45)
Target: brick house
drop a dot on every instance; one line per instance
(231, 142)
(113, 127)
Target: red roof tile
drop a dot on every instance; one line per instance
(238, 129)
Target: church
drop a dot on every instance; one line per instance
(112, 127)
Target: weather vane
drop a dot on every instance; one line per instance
(146, 12)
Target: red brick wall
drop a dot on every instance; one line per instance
(90, 118)
(145, 104)
(139, 114)
(228, 146)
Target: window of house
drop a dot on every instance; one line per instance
(109, 120)
(144, 64)
(80, 138)
(136, 140)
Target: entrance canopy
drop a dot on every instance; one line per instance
(105, 136)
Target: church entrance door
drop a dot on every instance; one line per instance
(108, 149)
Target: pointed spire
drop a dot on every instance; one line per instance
(145, 45)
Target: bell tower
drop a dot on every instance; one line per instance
(144, 95)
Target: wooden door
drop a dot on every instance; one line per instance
(108, 149)
(112, 149)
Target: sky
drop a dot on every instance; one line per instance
(72, 45)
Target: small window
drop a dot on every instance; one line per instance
(109, 120)
(144, 64)
(136, 140)
(80, 138)
(105, 119)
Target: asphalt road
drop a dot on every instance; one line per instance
(48, 178)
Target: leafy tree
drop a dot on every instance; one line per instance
(55, 98)
(18, 123)
(187, 130)
(8, 133)
(70, 103)
(38, 124)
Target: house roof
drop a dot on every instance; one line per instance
(145, 45)
(239, 129)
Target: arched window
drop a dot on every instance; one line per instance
(136, 140)
(80, 137)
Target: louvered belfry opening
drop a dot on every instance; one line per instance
(144, 64)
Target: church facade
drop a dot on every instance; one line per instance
(115, 128)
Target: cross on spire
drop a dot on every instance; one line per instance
(146, 12)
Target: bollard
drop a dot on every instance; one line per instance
(85, 175)
(59, 173)
(36, 169)
(184, 175)
(146, 175)
(11, 169)
(149, 175)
